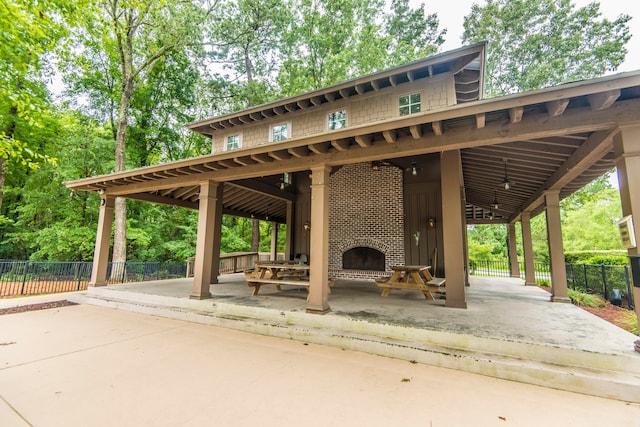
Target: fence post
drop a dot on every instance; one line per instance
(78, 274)
(24, 277)
(586, 280)
(604, 282)
(629, 291)
(235, 263)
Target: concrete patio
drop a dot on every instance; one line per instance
(509, 331)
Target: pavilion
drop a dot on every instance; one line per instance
(395, 164)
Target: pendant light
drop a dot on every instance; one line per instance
(505, 181)
(495, 204)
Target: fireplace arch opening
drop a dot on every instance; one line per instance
(363, 258)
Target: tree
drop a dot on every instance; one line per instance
(138, 34)
(30, 31)
(538, 43)
(333, 40)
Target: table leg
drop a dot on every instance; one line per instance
(385, 292)
(428, 295)
(256, 289)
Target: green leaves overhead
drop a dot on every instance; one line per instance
(539, 43)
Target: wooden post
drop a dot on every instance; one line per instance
(514, 268)
(209, 214)
(318, 301)
(527, 249)
(274, 240)
(559, 291)
(103, 241)
(453, 227)
(627, 149)
(289, 231)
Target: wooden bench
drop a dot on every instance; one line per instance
(257, 283)
(437, 282)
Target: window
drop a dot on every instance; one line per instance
(337, 120)
(233, 142)
(410, 104)
(280, 132)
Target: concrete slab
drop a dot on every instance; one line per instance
(97, 366)
(20, 301)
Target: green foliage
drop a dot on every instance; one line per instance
(629, 321)
(607, 257)
(543, 282)
(539, 43)
(586, 300)
(487, 242)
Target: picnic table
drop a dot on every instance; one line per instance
(411, 277)
(278, 273)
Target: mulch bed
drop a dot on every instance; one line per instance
(33, 307)
(609, 312)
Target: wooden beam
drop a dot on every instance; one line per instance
(320, 148)
(236, 121)
(245, 119)
(262, 158)
(280, 154)
(515, 114)
(316, 100)
(390, 136)
(153, 198)
(363, 140)
(227, 164)
(244, 160)
(375, 85)
(178, 194)
(410, 75)
(340, 144)
(304, 103)
(256, 116)
(267, 113)
(330, 97)
(393, 80)
(298, 151)
(360, 89)
(291, 107)
(598, 144)
(603, 100)
(263, 188)
(344, 93)
(279, 110)
(437, 128)
(480, 120)
(416, 131)
(557, 107)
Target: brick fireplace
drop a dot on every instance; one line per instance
(365, 216)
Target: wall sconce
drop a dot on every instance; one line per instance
(431, 223)
(307, 226)
(101, 191)
(103, 202)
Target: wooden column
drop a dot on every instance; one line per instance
(453, 227)
(289, 231)
(627, 150)
(556, 249)
(207, 263)
(527, 249)
(318, 301)
(274, 240)
(103, 241)
(514, 268)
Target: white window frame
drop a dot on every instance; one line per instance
(329, 121)
(411, 104)
(274, 126)
(226, 141)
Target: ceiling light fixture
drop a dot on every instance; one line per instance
(505, 181)
(414, 169)
(495, 204)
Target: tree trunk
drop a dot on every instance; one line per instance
(2, 163)
(120, 232)
(255, 235)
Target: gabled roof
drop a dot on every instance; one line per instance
(558, 138)
(466, 64)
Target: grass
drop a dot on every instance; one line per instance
(629, 321)
(585, 299)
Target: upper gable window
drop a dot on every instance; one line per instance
(410, 104)
(337, 119)
(233, 143)
(280, 132)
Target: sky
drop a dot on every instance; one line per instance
(451, 14)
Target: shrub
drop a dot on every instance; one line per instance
(586, 300)
(581, 257)
(608, 260)
(543, 282)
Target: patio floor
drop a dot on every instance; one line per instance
(508, 330)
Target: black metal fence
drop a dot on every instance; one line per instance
(44, 277)
(612, 282)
